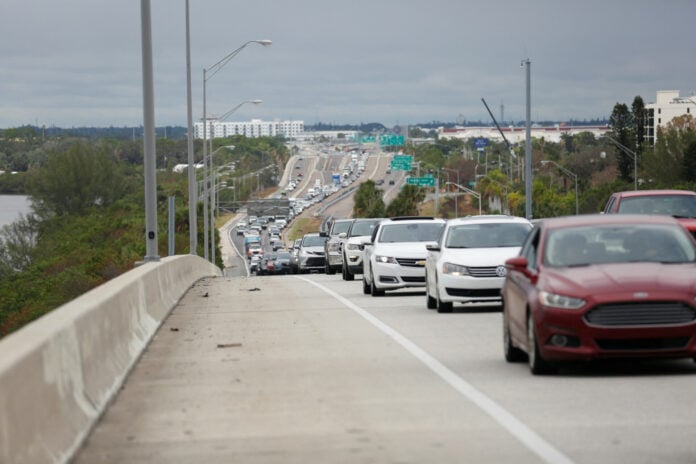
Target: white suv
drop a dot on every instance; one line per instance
(353, 247)
(467, 264)
(394, 256)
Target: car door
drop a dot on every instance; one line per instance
(519, 288)
(368, 250)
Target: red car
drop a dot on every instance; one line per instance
(601, 286)
(680, 204)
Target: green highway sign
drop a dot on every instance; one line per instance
(391, 140)
(401, 162)
(421, 181)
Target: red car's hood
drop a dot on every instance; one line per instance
(689, 223)
(615, 279)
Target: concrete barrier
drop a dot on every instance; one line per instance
(58, 374)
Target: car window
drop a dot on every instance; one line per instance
(633, 243)
(491, 235)
(313, 241)
(530, 248)
(411, 232)
(340, 227)
(362, 228)
(681, 206)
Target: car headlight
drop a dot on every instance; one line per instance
(454, 269)
(560, 301)
(353, 247)
(385, 259)
(333, 246)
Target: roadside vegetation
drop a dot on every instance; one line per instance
(87, 223)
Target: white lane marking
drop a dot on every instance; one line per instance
(517, 428)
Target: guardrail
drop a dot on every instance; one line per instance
(59, 373)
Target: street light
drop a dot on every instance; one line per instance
(456, 197)
(212, 70)
(567, 172)
(633, 155)
(469, 191)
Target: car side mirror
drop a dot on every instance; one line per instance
(366, 241)
(342, 235)
(519, 264)
(323, 233)
(432, 246)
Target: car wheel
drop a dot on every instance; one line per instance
(373, 288)
(537, 364)
(430, 302)
(443, 307)
(367, 289)
(512, 353)
(348, 275)
(330, 270)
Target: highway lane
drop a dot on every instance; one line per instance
(308, 369)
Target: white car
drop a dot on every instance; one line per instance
(394, 256)
(467, 264)
(353, 248)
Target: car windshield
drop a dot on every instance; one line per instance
(362, 228)
(634, 243)
(340, 227)
(411, 232)
(491, 235)
(679, 206)
(313, 241)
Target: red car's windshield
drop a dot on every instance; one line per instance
(579, 246)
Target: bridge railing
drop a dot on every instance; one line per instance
(58, 374)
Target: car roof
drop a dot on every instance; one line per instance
(487, 218)
(412, 220)
(652, 193)
(607, 219)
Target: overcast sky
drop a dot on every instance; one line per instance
(78, 62)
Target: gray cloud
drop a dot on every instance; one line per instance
(77, 62)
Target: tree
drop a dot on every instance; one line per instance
(621, 122)
(638, 113)
(368, 201)
(407, 202)
(689, 162)
(72, 181)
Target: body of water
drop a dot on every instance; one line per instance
(11, 206)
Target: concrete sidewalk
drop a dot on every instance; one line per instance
(275, 370)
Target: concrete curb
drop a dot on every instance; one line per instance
(59, 373)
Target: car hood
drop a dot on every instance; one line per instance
(313, 249)
(406, 249)
(478, 257)
(616, 279)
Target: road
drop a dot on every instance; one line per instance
(298, 369)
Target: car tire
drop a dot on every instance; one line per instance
(444, 307)
(347, 275)
(430, 302)
(512, 353)
(367, 289)
(373, 288)
(537, 364)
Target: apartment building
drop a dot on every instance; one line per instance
(254, 128)
(668, 105)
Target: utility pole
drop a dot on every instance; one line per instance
(528, 145)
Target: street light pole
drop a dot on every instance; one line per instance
(528, 144)
(149, 135)
(469, 191)
(456, 197)
(569, 173)
(207, 168)
(633, 155)
(193, 200)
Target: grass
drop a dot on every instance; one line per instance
(303, 226)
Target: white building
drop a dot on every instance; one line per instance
(668, 105)
(516, 135)
(253, 128)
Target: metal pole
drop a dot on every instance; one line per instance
(192, 191)
(205, 174)
(171, 227)
(149, 135)
(528, 146)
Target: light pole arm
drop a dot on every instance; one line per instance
(221, 64)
